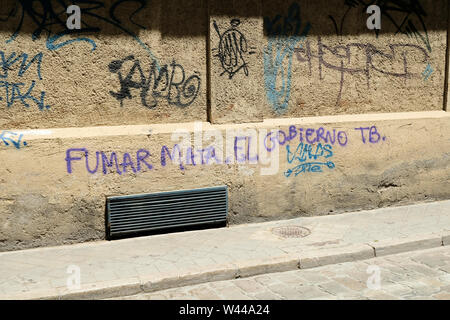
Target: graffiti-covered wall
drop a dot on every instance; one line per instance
(297, 106)
(317, 57)
(132, 62)
(138, 62)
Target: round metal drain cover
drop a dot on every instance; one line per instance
(291, 232)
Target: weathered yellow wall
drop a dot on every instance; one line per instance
(379, 98)
(50, 197)
(78, 78)
(298, 63)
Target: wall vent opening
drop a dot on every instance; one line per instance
(164, 212)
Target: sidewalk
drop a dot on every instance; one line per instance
(132, 266)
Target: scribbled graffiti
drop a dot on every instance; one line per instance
(232, 49)
(168, 82)
(314, 150)
(9, 138)
(13, 90)
(395, 56)
(309, 158)
(284, 34)
(407, 16)
(48, 18)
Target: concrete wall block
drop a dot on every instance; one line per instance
(136, 65)
(133, 83)
(53, 183)
(237, 84)
(321, 59)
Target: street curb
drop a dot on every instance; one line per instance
(191, 278)
(446, 238)
(102, 290)
(337, 255)
(307, 260)
(254, 268)
(395, 246)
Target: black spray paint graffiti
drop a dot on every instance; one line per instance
(13, 90)
(232, 49)
(169, 82)
(411, 22)
(374, 59)
(48, 18)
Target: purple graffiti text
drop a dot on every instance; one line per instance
(310, 136)
(109, 161)
(346, 60)
(370, 134)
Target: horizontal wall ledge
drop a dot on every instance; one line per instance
(86, 132)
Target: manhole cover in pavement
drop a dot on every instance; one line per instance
(291, 232)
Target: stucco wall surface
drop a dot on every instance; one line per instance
(294, 105)
(127, 65)
(139, 62)
(274, 59)
(54, 189)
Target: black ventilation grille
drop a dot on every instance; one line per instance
(127, 215)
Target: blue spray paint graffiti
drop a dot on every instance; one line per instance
(17, 91)
(7, 63)
(283, 37)
(428, 72)
(51, 20)
(308, 158)
(7, 138)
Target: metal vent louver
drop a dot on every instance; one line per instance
(126, 215)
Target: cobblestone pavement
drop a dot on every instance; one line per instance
(415, 275)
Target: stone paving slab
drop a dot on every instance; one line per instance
(148, 264)
(349, 280)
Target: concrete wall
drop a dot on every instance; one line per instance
(80, 79)
(317, 57)
(307, 113)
